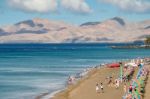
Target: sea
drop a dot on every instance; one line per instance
(29, 70)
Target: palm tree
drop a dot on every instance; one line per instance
(147, 41)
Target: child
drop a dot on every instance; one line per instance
(97, 88)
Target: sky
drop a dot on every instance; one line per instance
(73, 11)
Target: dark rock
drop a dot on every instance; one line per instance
(90, 23)
(27, 22)
(119, 20)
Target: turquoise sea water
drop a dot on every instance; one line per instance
(28, 70)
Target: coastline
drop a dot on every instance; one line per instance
(90, 72)
(49, 95)
(97, 75)
(88, 86)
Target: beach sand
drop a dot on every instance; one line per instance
(85, 89)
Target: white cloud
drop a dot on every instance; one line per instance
(131, 5)
(41, 6)
(76, 5)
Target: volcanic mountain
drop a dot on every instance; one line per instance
(37, 30)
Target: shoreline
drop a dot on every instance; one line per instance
(60, 94)
(49, 95)
(74, 86)
(52, 94)
(65, 94)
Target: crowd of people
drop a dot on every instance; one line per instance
(137, 85)
(133, 87)
(115, 82)
(128, 73)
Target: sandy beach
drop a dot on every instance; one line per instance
(85, 87)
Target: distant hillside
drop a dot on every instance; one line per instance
(90, 23)
(37, 30)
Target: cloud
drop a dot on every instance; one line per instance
(40, 6)
(79, 6)
(131, 5)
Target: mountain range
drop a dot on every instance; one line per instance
(37, 30)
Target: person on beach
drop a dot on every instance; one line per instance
(129, 96)
(130, 89)
(69, 80)
(125, 88)
(110, 81)
(102, 88)
(117, 83)
(97, 88)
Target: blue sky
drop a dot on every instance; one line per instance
(73, 11)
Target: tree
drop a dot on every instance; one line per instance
(147, 41)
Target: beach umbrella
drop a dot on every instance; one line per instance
(121, 71)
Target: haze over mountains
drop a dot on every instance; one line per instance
(115, 30)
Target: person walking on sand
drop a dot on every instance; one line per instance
(97, 88)
(110, 81)
(117, 83)
(102, 88)
(130, 89)
(125, 88)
